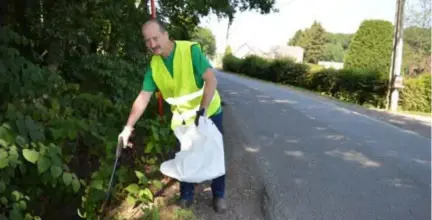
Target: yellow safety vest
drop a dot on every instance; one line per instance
(181, 91)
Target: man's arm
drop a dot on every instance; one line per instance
(204, 75)
(138, 107)
(210, 84)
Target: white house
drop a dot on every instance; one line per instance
(295, 52)
(331, 64)
(245, 50)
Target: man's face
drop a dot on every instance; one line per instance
(155, 39)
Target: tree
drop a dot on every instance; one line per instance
(371, 47)
(228, 50)
(419, 14)
(207, 40)
(417, 49)
(417, 44)
(313, 40)
(294, 41)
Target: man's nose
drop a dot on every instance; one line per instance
(152, 43)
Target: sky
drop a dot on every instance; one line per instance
(265, 31)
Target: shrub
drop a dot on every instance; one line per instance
(371, 47)
(286, 71)
(416, 96)
(256, 66)
(231, 63)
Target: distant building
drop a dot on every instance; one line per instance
(331, 64)
(294, 52)
(245, 50)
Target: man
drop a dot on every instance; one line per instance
(184, 76)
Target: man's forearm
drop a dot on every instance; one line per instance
(209, 90)
(138, 108)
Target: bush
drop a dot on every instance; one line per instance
(416, 96)
(58, 135)
(256, 66)
(231, 63)
(371, 47)
(280, 70)
(353, 85)
(286, 71)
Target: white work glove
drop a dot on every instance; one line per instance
(125, 134)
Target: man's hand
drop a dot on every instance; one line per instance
(199, 113)
(125, 135)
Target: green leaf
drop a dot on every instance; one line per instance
(15, 214)
(97, 184)
(4, 200)
(131, 200)
(5, 134)
(3, 143)
(158, 184)
(147, 193)
(56, 171)
(132, 188)
(139, 174)
(43, 164)
(36, 135)
(16, 195)
(67, 178)
(75, 184)
(149, 147)
(22, 205)
(2, 186)
(20, 123)
(3, 154)
(20, 141)
(31, 155)
(72, 134)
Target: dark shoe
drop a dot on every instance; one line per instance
(219, 205)
(184, 204)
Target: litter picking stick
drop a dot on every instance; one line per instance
(118, 154)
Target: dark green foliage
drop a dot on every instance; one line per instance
(312, 40)
(281, 70)
(416, 96)
(206, 39)
(353, 85)
(69, 73)
(371, 47)
(255, 66)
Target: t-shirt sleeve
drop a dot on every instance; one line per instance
(200, 63)
(148, 84)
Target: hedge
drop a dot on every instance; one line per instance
(280, 70)
(359, 86)
(416, 96)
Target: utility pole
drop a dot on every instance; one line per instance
(395, 78)
(158, 93)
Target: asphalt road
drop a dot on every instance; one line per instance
(323, 161)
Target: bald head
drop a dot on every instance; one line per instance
(156, 22)
(156, 37)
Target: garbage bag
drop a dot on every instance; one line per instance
(201, 156)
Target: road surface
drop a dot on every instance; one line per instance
(318, 160)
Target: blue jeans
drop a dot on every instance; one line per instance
(218, 184)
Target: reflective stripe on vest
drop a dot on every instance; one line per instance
(184, 116)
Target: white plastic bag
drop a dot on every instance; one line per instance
(201, 156)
